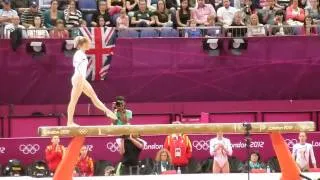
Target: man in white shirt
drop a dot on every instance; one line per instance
(226, 13)
(14, 25)
(7, 13)
(302, 152)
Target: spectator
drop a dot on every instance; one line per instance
(13, 26)
(201, 13)
(313, 11)
(295, 14)
(278, 28)
(102, 12)
(308, 27)
(254, 163)
(132, 6)
(123, 114)
(20, 5)
(180, 149)
(220, 149)
(226, 13)
(123, 19)
(115, 6)
(163, 162)
(162, 16)
(54, 153)
(85, 163)
(101, 22)
(27, 17)
(247, 11)
(172, 4)
(59, 32)
(215, 30)
(130, 149)
(142, 18)
(240, 31)
(183, 14)
(268, 12)
(255, 28)
(193, 31)
(37, 30)
(52, 15)
(83, 23)
(302, 151)
(6, 14)
(72, 16)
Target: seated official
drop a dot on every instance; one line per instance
(85, 163)
(163, 162)
(254, 163)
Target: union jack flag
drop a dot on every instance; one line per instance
(100, 54)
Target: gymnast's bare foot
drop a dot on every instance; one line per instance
(111, 115)
(72, 124)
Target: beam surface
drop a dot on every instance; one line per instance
(157, 129)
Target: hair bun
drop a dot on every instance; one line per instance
(77, 40)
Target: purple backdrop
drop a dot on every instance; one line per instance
(154, 70)
(105, 148)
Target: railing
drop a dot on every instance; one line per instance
(213, 31)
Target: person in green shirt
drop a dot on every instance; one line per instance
(123, 115)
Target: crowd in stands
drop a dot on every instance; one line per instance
(61, 19)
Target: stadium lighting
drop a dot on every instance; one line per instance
(237, 45)
(36, 47)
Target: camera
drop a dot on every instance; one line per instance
(119, 103)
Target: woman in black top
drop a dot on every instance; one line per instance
(183, 14)
(162, 16)
(130, 149)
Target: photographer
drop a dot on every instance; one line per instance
(123, 115)
(130, 149)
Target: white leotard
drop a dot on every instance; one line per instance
(80, 63)
(302, 154)
(220, 155)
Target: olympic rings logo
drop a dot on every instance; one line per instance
(29, 148)
(201, 145)
(291, 142)
(83, 131)
(113, 146)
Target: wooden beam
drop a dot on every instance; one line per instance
(157, 129)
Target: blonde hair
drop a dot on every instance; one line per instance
(158, 156)
(79, 41)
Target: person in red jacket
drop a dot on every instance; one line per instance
(85, 163)
(180, 148)
(54, 153)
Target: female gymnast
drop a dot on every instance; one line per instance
(79, 82)
(220, 149)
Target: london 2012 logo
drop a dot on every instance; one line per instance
(29, 148)
(2, 150)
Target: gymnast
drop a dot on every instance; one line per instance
(220, 149)
(79, 82)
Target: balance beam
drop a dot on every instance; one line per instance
(157, 129)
